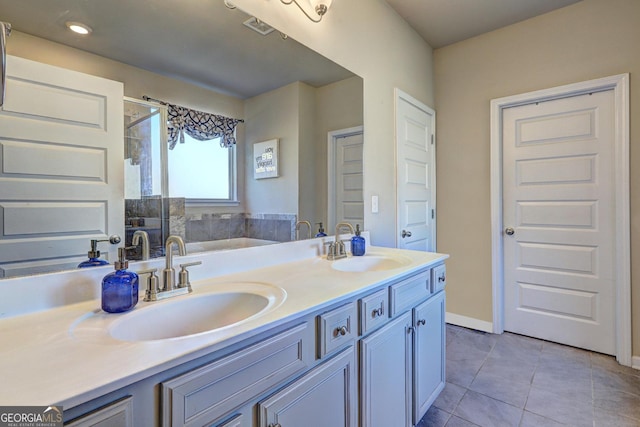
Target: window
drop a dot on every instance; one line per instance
(202, 171)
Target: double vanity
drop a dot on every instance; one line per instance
(271, 336)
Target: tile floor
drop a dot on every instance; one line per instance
(511, 380)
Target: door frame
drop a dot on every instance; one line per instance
(401, 95)
(332, 143)
(620, 86)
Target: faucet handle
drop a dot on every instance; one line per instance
(331, 250)
(183, 276)
(151, 294)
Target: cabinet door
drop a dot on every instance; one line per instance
(429, 354)
(385, 375)
(326, 396)
(117, 414)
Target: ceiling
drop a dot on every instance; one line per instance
(205, 43)
(202, 42)
(444, 22)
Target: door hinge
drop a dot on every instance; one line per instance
(433, 214)
(433, 139)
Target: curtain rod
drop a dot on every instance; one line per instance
(157, 101)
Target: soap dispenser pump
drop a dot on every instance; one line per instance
(120, 287)
(94, 254)
(357, 243)
(321, 232)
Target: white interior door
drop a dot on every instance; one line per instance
(559, 218)
(61, 136)
(416, 190)
(346, 203)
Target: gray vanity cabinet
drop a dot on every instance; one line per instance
(325, 396)
(428, 354)
(385, 375)
(369, 360)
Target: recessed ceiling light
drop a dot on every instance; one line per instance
(78, 27)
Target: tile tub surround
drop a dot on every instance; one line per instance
(204, 227)
(43, 342)
(512, 380)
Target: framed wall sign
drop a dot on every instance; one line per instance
(265, 159)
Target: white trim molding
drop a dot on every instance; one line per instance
(620, 86)
(468, 322)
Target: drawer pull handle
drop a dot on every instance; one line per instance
(421, 322)
(378, 311)
(442, 278)
(341, 331)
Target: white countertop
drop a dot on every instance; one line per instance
(44, 361)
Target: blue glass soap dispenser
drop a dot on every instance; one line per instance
(357, 243)
(321, 232)
(94, 257)
(120, 287)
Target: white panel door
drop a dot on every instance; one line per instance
(349, 198)
(558, 193)
(61, 168)
(415, 144)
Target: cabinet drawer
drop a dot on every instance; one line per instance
(336, 329)
(439, 278)
(409, 292)
(201, 396)
(374, 311)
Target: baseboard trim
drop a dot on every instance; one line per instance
(470, 322)
(635, 362)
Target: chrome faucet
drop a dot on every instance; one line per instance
(308, 224)
(169, 288)
(135, 241)
(336, 249)
(169, 274)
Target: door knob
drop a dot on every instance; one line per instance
(509, 231)
(406, 233)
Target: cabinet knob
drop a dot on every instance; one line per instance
(410, 330)
(341, 331)
(442, 278)
(406, 233)
(421, 322)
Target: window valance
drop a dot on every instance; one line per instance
(199, 125)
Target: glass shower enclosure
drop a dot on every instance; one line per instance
(145, 142)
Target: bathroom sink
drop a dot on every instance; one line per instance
(187, 315)
(359, 264)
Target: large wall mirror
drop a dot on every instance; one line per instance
(234, 65)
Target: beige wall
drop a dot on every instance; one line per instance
(339, 106)
(274, 115)
(588, 40)
(300, 116)
(370, 39)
